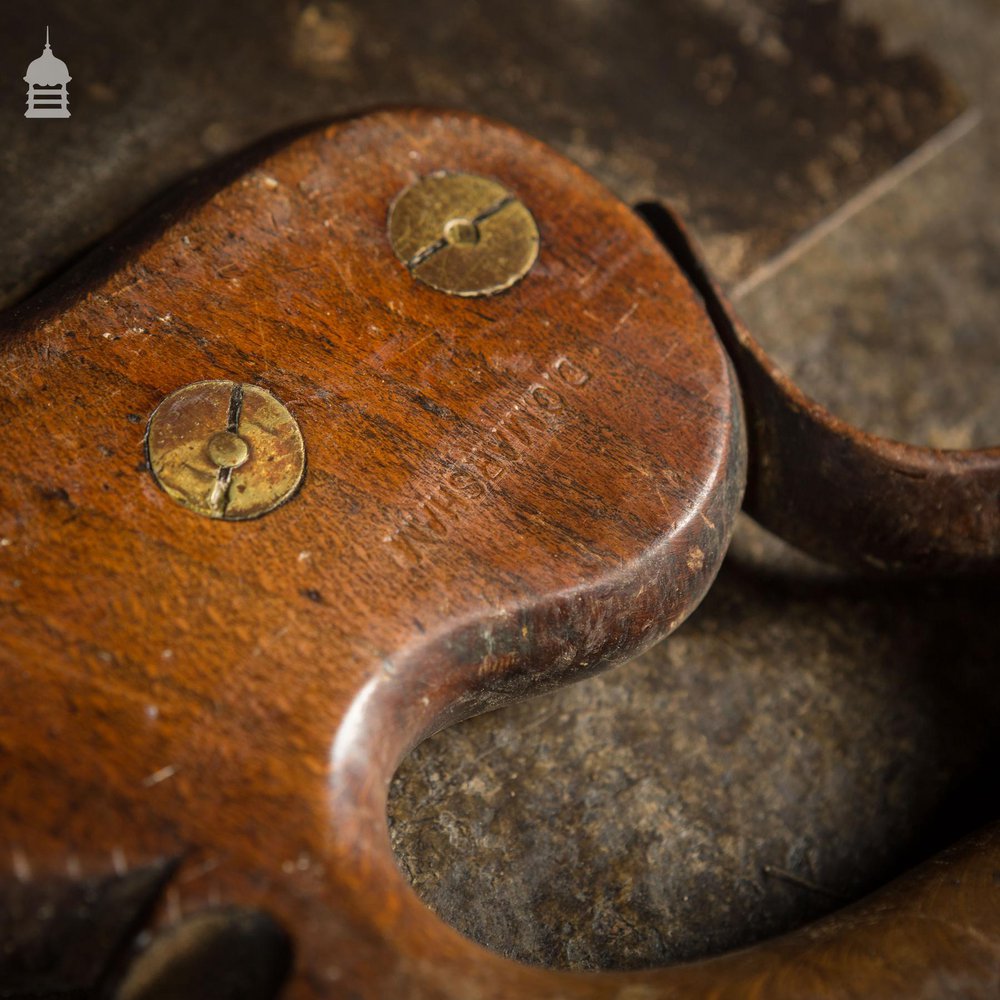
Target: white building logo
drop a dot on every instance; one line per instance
(47, 79)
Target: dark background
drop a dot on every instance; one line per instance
(806, 735)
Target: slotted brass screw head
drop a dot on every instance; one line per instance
(225, 450)
(463, 234)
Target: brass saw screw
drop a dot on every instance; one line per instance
(225, 450)
(463, 234)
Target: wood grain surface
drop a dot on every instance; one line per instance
(844, 495)
(501, 495)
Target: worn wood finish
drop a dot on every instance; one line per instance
(836, 491)
(502, 494)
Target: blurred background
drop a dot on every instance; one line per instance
(806, 735)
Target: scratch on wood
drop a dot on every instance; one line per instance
(157, 776)
(22, 868)
(626, 316)
(199, 871)
(127, 288)
(119, 862)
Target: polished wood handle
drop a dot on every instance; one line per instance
(844, 495)
(500, 494)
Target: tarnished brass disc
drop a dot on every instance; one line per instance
(225, 450)
(463, 234)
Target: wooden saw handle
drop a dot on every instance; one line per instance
(842, 494)
(501, 494)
